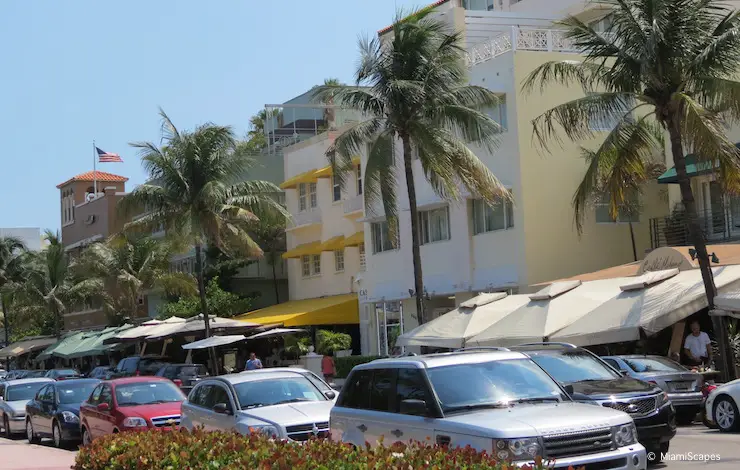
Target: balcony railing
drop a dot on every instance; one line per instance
(523, 39)
(353, 204)
(718, 225)
(309, 217)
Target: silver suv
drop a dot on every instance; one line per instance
(498, 401)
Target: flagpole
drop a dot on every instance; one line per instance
(95, 171)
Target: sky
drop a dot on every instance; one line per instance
(84, 70)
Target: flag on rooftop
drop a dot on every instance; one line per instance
(107, 157)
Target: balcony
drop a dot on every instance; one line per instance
(354, 205)
(522, 39)
(306, 218)
(719, 225)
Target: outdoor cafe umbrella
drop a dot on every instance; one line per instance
(142, 331)
(277, 332)
(196, 325)
(214, 341)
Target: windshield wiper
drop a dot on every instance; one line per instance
(477, 406)
(292, 400)
(253, 405)
(536, 400)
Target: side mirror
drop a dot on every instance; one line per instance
(330, 394)
(414, 407)
(624, 372)
(568, 389)
(222, 409)
(103, 407)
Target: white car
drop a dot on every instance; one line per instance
(281, 403)
(14, 394)
(721, 407)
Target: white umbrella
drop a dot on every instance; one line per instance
(196, 325)
(277, 332)
(214, 341)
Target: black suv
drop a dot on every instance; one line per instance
(139, 365)
(594, 381)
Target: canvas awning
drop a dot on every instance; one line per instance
(327, 170)
(693, 168)
(306, 177)
(312, 248)
(95, 345)
(25, 346)
(214, 341)
(196, 325)
(334, 243)
(277, 332)
(355, 239)
(140, 332)
(69, 341)
(333, 310)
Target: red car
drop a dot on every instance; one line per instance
(131, 403)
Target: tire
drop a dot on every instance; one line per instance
(86, 437)
(30, 435)
(6, 428)
(726, 414)
(56, 434)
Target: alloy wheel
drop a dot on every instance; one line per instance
(6, 426)
(86, 439)
(29, 430)
(57, 435)
(724, 414)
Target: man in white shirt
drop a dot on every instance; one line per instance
(698, 346)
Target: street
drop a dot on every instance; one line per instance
(693, 447)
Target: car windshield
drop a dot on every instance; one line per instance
(65, 373)
(653, 364)
(69, 394)
(276, 391)
(574, 366)
(147, 393)
(191, 371)
(493, 383)
(23, 391)
(35, 374)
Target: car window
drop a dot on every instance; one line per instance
(356, 391)
(95, 397)
(653, 364)
(410, 385)
(381, 391)
(150, 366)
(199, 395)
(69, 394)
(189, 371)
(43, 393)
(106, 395)
(23, 392)
(66, 373)
(573, 366)
(276, 391)
(219, 395)
(612, 363)
(147, 393)
(317, 381)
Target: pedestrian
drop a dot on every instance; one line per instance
(327, 367)
(253, 363)
(697, 346)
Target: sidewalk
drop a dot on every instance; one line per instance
(19, 455)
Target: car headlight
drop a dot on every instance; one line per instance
(625, 434)
(516, 449)
(134, 423)
(267, 431)
(70, 417)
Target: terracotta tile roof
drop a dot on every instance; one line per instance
(89, 176)
(428, 7)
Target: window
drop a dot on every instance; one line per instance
(336, 188)
(361, 247)
(629, 212)
(487, 218)
(339, 260)
(305, 265)
(381, 390)
(410, 385)
(45, 394)
(434, 225)
(359, 179)
(479, 5)
(302, 197)
(312, 194)
(573, 366)
(199, 396)
(106, 396)
(70, 394)
(268, 392)
(220, 395)
(382, 240)
(612, 363)
(95, 397)
(602, 24)
(498, 112)
(356, 391)
(389, 319)
(316, 264)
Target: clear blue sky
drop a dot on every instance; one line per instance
(79, 70)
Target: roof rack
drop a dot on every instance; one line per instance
(482, 348)
(567, 345)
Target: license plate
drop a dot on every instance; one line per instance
(681, 386)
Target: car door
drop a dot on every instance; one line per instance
(351, 419)
(411, 384)
(46, 405)
(33, 407)
(91, 413)
(219, 421)
(194, 409)
(106, 420)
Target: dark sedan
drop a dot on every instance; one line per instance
(55, 411)
(184, 376)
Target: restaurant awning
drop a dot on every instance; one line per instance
(277, 332)
(334, 310)
(693, 168)
(334, 243)
(196, 325)
(214, 341)
(140, 332)
(327, 170)
(95, 345)
(69, 341)
(312, 248)
(355, 239)
(26, 346)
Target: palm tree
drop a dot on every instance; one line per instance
(198, 193)
(129, 265)
(669, 62)
(11, 249)
(269, 234)
(414, 89)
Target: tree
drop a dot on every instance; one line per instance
(197, 191)
(128, 265)
(220, 303)
(674, 63)
(269, 234)
(414, 89)
(11, 250)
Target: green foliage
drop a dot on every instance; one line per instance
(220, 303)
(297, 346)
(161, 450)
(344, 365)
(330, 341)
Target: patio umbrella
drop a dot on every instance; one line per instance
(277, 332)
(142, 331)
(214, 341)
(196, 325)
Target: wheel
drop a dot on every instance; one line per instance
(86, 437)
(685, 416)
(726, 414)
(6, 428)
(56, 434)
(32, 437)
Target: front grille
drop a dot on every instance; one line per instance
(635, 407)
(578, 443)
(166, 421)
(304, 432)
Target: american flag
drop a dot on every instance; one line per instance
(107, 157)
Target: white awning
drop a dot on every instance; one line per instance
(729, 301)
(277, 332)
(197, 325)
(140, 332)
(214, 341)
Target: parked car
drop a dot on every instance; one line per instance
(500, 402)
(139, 365)
(55, 411)
(101, 373)
(722, 407)
(682, 385)
(15, 374)
(34, 374)
(706, 389)
(14, 394)
(184, 376)
(594, 381)
(131, 403)
(281, 403)
(62, 374)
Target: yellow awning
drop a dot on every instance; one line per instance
(355, 239)
(335, 310)
(312, 248)
(335, 243)
(327, 171)
(306, 177)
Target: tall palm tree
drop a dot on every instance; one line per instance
(670, 62)
(11, 249)
(128, 265)
(198, 193)
(414, 89)
(269, 234)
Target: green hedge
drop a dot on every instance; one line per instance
(160, 450)
(344, 365)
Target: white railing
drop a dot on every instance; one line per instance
(309, 217)
(353, 204)
(523, 39)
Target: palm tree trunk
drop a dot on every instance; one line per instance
(415, 242)
(632, 237)
(204, 304)
(6, 321)
(274, 280)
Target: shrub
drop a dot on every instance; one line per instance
(344, 365)
(212, 450)
(331, 341)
